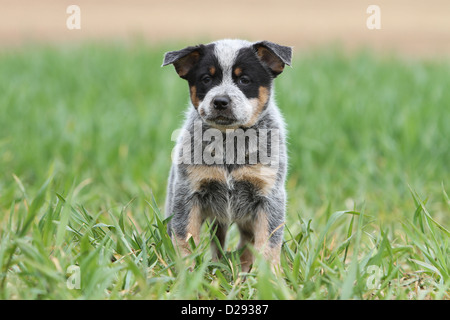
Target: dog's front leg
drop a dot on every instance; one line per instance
(259, 234)
(220, 232)
(185, 225)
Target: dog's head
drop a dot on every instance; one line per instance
(230, 81)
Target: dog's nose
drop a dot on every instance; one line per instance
(221, 102)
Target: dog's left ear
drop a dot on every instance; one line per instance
(183, 59)
(273, 55)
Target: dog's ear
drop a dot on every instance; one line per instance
(183, 59)
(273, 56)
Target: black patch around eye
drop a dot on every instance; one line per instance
(206, 73)
(249, 74)
(206, 80)
(244, 81)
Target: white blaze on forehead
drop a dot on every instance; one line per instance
(226, 52)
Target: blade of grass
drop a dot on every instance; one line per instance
(425, 211)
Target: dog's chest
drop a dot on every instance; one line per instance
(260, 176)
(225, 190)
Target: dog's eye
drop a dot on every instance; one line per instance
(244, 80)
(206, 79)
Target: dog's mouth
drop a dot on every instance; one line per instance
(221, 120)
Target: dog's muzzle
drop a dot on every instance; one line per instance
(221, 111)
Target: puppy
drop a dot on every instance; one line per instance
(230, 161)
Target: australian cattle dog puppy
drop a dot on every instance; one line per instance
(230, 161)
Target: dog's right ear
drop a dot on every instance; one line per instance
(183, 59)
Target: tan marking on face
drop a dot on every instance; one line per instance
(199, 174)
(212, 70)
(261, 176)
(237, 72)
(258, 105)
(195, 100)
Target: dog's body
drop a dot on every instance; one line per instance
(215, 178)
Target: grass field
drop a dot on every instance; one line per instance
(85, 143)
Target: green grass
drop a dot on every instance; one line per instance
(85, 152)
